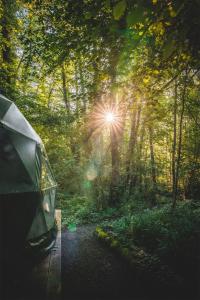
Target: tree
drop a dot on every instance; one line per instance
(7, 54)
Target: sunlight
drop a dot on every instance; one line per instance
(109, 117)
(106, 116)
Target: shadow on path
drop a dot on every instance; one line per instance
(91, 271)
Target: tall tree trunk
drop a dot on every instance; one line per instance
(50, 94)
(82, 85)
(180, 140)
(73, 145)
(115, 167)
(114, 192)
(140, 150)
(131, 145)
(174, 186)
(64, 86)
(169, 170)
(76, 89)
(130, 167)
(122, 111)
(153, 166)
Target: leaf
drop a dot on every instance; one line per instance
(155, 72)
(136, 16)
(107, 4)
(172, 12)
(146, 80)
(72, 227)
(119, 9)
(88, 15)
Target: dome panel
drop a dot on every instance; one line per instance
(17, 122)
(14, 177)
(26, 149)
(4, 105)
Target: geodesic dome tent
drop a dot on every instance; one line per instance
(27, 185)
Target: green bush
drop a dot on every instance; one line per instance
(82, 210)
(75, 209)
(160, 230)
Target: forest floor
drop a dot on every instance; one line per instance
(92, 271)
(154, 245)
(83, 267)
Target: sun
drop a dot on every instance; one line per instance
(109, 117)
(106, 115)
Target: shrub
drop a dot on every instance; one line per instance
(160, 230)
(82, 210)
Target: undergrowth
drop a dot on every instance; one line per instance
(81, 210)
(159, 229)
(173, 236)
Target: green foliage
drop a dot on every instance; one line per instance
(136, 15)
(75, 210)
(61, 59)
(166, 239)
(82, 210)
(119, 9)
(147, 266)
(8, 61)
(63, 62)
(161, 231)
(58, 69)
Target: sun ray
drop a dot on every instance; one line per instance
(106, 116)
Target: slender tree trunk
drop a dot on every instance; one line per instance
(169, 170)
(77, 90)
(114, 193)
(153, 166)
(131, 146)
(123, 113)
(115, 157)
(64, 86)
(180, 140)
(132, 178)
(50, 94)
(115, 167)
(96, 94)
(174, 189)
(73, 145)
(82, 84)
(139, 169)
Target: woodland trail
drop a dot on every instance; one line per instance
(91, 271)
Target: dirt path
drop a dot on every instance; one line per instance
(91, 271)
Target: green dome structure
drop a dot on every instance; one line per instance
(27, 184)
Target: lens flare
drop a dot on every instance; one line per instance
(110, 117)
(106, 115)
(91, 174)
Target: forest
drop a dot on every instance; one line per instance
(113, 89)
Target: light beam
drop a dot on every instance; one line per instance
(109, 117)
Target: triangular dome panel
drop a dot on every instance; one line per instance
(16, 121)
(14, 177)
(26, 149)
(4, 106)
